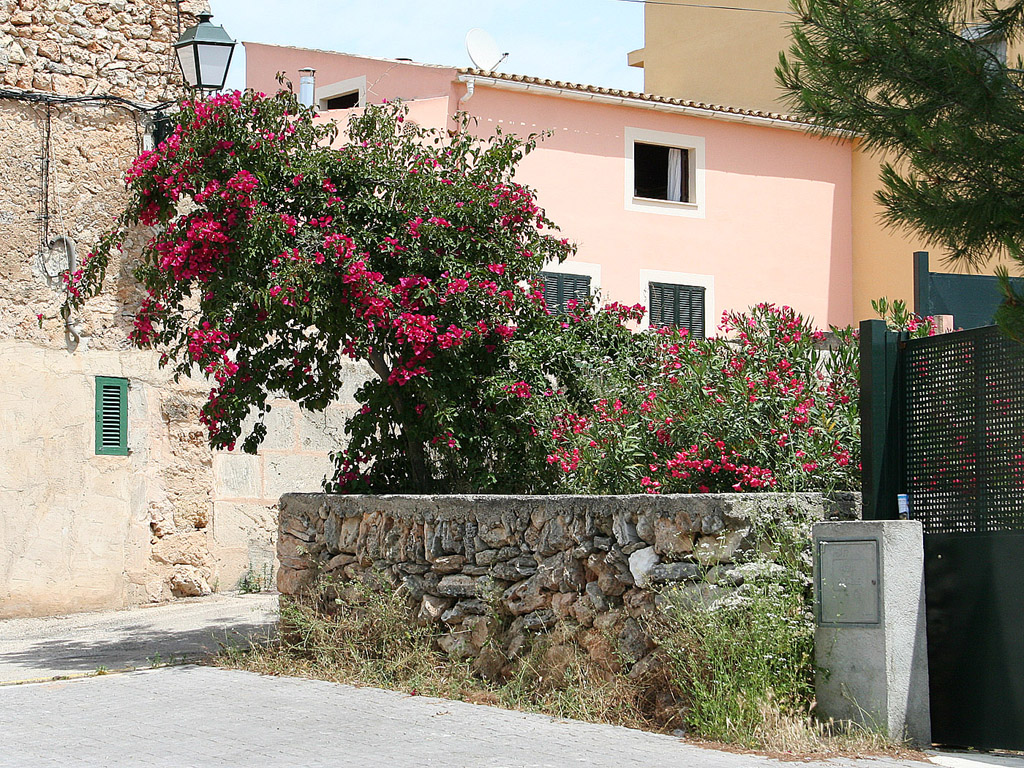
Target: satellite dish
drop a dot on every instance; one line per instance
(483, 50)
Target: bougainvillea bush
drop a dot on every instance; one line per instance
(278, 254)
(277, 257)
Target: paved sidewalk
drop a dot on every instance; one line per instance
(195, 717)
(34, 649)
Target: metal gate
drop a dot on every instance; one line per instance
(957, 418)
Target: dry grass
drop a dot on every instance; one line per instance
(368, 639)
(372, 642)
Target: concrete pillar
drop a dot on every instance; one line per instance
(870, 643)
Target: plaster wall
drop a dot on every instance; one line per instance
(385, 78)
(723, 57)
(81, 532)
(713, 55)
(776, 225)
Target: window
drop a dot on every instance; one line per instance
(664, 173)
(111, 416)
(678, 305)
(345, 101)
(992, 43)
(560, 288)
(661, 173)
(344, 94)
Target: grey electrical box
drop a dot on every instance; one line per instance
(849, 582)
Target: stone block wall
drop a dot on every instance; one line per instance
(116, 47)
(488, 570)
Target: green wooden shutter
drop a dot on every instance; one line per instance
(678, 305)
(550, 290)
(561, 287)
(111, 416)
(657, 301)
(696, 295)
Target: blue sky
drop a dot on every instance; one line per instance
(576, 40)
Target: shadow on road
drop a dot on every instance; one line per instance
(133, 646)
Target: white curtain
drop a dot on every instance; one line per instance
(675, 175)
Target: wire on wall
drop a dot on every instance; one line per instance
(710, 7)
(37, 97)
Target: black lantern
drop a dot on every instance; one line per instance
(204, 54)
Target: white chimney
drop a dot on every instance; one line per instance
(307, 86)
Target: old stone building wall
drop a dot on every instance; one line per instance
(81, 531)
(116, 47)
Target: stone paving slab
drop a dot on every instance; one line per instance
(81, 643)
(184, 717)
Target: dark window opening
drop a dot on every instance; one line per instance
(560, 288)
(681, 306)
(661, 173)
(345, 101)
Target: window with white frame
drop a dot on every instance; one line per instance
(561, 287)
(569, 280)
(661, 173)
(664, 172)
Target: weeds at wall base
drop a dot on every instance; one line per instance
(371, 641)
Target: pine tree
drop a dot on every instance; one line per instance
(926, 82)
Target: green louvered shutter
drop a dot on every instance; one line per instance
(111, 416)
(562, 287)
(678, 305)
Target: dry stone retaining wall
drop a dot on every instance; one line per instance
(491, 569)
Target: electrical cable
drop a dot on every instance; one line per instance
(711, 7)
(37, 97)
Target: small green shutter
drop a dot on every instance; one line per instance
(111, 416)
(678, 305)
(562, 287)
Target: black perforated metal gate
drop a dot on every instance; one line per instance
(962, 414)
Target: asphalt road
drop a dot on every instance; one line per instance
(82, 643)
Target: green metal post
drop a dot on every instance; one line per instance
(881, 425)
(922, 299)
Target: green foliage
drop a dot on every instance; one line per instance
(915, 78)
(253, 581)
(745, 662)
(770, 404)
(898, 318)
(365, 635)
(277, 257)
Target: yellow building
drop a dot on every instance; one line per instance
(723, 56)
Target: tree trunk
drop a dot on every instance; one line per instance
(415, 453)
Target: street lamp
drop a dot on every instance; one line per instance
(204, 54)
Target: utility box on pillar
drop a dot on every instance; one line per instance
(870, 642)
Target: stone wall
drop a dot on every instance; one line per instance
(80, 531)
(172, 519)
(117, 47)
(491, 569)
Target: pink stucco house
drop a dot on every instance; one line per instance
(687, 208)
